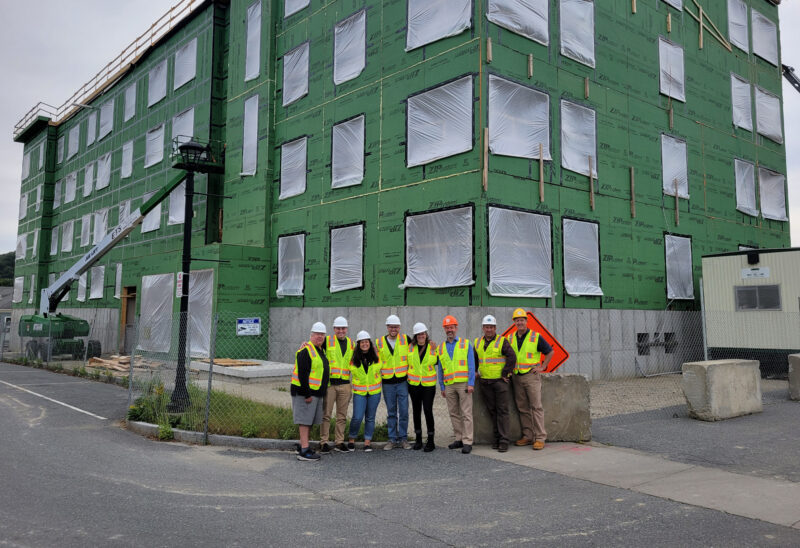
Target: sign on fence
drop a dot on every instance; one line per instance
(248, 326)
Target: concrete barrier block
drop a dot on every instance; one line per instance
(721, 389)
(565, 400)
(794, 377)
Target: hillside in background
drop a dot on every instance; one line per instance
(7, 269)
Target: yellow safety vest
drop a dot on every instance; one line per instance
(366, 382)
(422, 372)
(393, 364)
(317, 367)
(491, 360)
(455, 369)
(340, 364)
(528, 356)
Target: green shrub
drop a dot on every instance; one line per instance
(165, 432)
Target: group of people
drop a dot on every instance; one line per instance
(329, 370)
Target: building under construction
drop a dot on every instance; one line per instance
(415, 156)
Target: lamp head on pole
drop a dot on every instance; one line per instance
(193, 154)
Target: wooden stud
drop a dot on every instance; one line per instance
(485, 159)
(701, 27)
(541, 173)
(489, 50)
(719, 34)
(633, 195)
(633, 6)
(669, 22)
(586, 88)
(715, 33)
(591, 183)
(530, 65)
(677, 205)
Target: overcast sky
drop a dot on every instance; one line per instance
(52, 47)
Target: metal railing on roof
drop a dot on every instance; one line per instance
(113, 70)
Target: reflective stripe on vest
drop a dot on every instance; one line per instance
(366, 382)
(421, 372)
(393, 364)
(528, 356)
(455, 369)
(317, 367)
(490, 360)
(340, 364)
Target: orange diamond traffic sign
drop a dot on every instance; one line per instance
(560, 353)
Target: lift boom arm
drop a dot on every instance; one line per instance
(788, 73)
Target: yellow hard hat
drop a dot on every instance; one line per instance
(519, 313)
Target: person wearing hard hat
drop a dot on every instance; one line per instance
(496, 361)
(393, 353)
(529, 348)
(309, 379)
(456, 373)
(339, 349)
(365, 371)
(422, 384)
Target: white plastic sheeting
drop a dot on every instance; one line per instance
(41, 155)
(35, 243)
(250, 136)
(124, 209)
(439, 249)
(674, 166)
(347, 166)
(23, 205)
(680, 284)
(103, 171)
(38, 198)
(738, 31)
(765, 38)
(177, 204)
(201, 299)
(519, 119)
(520, 258)
(127, 160)
(350, 47)
(129, 110)
(432, 20)
(741, 102)
(57, 195)
(19, 287)
(86, 229)
(347, 255)
(293, 168)
(291, 265)
(185, 64)
(157, 83)
(440, 122)
(768, 115)
(183, 126)
(97, 282)
(577, 30)
(118, 282)
(60, 149)
(581, 258)
(155, 317)
(745, 187)
(106, 119)
(82, 287)
(154, 146)
(32, 290)
(70, 187)
(54, 240)
(772, 187)
(73, 141)
(67, 235)
(295, 74)
(100, 225)
(88, 179)
(671, 76)
(151, 221)
(22, 247)
(91, 128)
(677, 4)
(528, 18)
(252, 57)
(578, 138)
(290, 7)
(26, 165)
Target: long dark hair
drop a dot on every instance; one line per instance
(365, 358)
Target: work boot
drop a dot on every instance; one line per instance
(417, 440)
(467, 449)
(458, 444)
(496, 445)
(538, 445)
(522, 442)
(430, 446)
(503, 447)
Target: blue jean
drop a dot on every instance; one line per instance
(396, 396)
(362, 404)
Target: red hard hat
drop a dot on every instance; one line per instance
(449, 320)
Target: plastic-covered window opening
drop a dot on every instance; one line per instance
(26, 165)
(183, 126)
(674, 166)
(250, 136)
(155, 317)
(19, 288)
(177, 205)
(201, 300)
(439, 249)
(185, 64)
(38, 198)
(154, 146)
(67, 235)
(151, 221)
(32, 290)
(440, 122)
(22, 247)
(347, 156)
(350, 47)
(519, 119)
(41, 155)
(529, 18)
(70, 187)
(290, 7)
(347, 258)
(23, 205)
(581, 258)
(768, 115)
(88, 179)
(291, 265)
(741, 101)
(54, 240)
(772, 191)
(118, 282)
(98, 280)
(520, 253)
(671, 74)
(157, 83)
(91, 128)
(126, 169)
(677, 4)
(57, 195)
(82, 287)
(35, 243)
(129, 110)
(745, 187)
(73, 141)
(86, 229)
(765, 38)
(100, 225)
(578, 138)
(577, 31)
(738, 30)
(680, 283)
(294, 155)
(432, 20)
(295, 74)
(60, 149)
(124, 210)
(103, 171)
(106, 119)
(252, 56)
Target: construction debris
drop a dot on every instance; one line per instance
(230, 362)
(122, 363)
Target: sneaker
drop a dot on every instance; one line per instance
(467, 449)
(368, 449)
(458, 444)
(523, 441)
(325, 449)
(503, 447)
(538, 445)
(341, 448)
(405, 445)
(389, 446)
(308, 455)
(351, 446)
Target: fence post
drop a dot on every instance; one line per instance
(211, 353)
(133, 357)
(703, 316)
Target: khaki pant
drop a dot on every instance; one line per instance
(339, 394)
(459, 403)
(528, 396)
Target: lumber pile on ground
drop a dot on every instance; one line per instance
(122, 364)
(230, 362)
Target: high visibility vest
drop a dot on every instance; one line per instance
(393, 364)
(366, 382)
(340, 364)
(455, 369)
(422, 372)
(528, 356)
(317, 367)
(491, 360)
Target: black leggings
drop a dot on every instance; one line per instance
(422, 400)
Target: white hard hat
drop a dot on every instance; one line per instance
(362, 336)
(419, 327)
(340, 321)
(392, 320)
(318, 327)
(489, 320)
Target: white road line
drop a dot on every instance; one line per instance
(54, 401)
